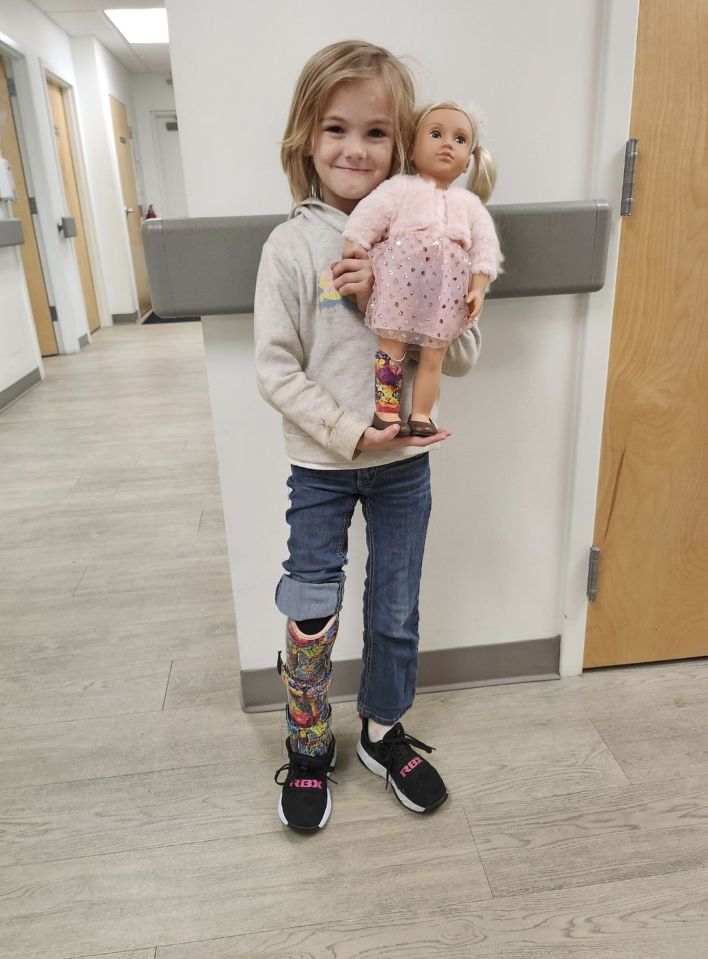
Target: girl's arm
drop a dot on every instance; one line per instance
(281, 379)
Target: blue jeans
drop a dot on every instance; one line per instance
(396, 501)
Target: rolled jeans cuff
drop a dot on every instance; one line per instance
(298, 600)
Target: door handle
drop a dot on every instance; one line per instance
(129, 209)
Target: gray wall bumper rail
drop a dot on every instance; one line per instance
(11, 233)
(202, 266)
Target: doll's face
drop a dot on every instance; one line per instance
(442, 147)
(353, 145)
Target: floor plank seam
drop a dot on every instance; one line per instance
(479, 855)
(91, 779)
(84, 719)
(622, 769)
(80, 581)
(167, 685)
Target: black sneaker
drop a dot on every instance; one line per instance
(417, 784)
(305, 802)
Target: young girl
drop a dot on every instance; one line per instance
(349, 129)
(435, 252)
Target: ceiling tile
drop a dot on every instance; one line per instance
(66, 6)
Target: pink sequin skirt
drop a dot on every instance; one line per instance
(421, 285)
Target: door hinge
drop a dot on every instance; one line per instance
(53, 313)
(631, 152)
(593, 569)
(11, 88)
(32, 205)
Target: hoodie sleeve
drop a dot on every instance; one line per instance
(279, 360)
(485, 253)
(463, 353)
(370, 220)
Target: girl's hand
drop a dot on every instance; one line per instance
(475, 299)
(380, 440)
(354, 277)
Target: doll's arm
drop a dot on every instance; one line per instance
(479, 284)
(371, 218)
(485, 253)
(280, 377)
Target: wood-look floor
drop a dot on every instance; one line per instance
(137, 807)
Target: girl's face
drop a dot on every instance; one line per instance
(442, 146)
(354, 141)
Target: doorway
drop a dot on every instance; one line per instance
(124, 151)
(66, 153)
(23, 210)
(169, 158)
(652, 509)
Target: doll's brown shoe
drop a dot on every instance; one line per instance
(421, 427)
(379, 424)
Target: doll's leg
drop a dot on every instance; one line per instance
(426, 384)
(388, 380)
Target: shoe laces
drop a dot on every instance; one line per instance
(401, 750)
(301, 764)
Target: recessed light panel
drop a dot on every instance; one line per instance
(141, 26)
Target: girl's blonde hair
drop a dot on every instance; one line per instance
(342, 62)
(483, 175)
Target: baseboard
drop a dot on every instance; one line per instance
(12, 393)
(438, 670)
(125, 317)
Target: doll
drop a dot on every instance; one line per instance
(434, 251)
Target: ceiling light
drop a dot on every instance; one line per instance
(141, 26)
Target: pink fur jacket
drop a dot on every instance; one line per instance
(410, 204)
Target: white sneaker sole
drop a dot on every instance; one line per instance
(375, 767)
(326, 814)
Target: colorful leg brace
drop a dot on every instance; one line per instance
(387, 383)
(307, 673)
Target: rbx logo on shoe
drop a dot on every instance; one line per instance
(417, 784)
(409, 767)
(305, 802)
(305, 784)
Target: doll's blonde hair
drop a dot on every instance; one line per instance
(342, 62)
(483, 175)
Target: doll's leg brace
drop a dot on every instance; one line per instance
(306, 673)
(388, 380)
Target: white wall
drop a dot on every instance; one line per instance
(505, 550)
(99, 75)
(19, 349)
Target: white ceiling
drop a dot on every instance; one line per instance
(81, 18)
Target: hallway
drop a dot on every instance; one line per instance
(137, 807)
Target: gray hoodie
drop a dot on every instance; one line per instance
(314, 355)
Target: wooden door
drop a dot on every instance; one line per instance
(124, 152)
(71, 193)
(652, 511)
(29, 251)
